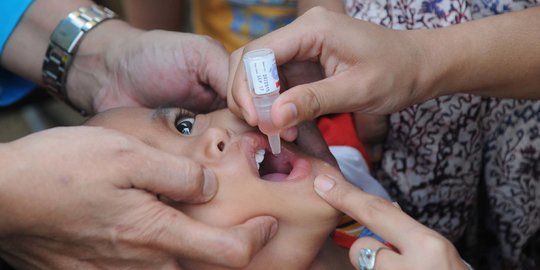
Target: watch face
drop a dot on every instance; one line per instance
(66, 35)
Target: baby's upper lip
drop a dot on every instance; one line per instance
(250, 143)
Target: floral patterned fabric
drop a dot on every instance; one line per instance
(466, 166)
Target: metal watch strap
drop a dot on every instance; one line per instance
(63, 45)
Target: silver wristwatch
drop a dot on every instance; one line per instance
(63, 45)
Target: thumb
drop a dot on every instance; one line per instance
(308, 101)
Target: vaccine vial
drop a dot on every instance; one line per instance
(263, 81)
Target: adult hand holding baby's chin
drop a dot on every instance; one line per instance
(419, 247)
(91, 203)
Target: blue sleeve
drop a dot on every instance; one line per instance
(12, 88)
(11, 11)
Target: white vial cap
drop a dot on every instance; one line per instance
(261, 71)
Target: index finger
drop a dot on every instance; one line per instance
(376, 213)
(238, 96)
(159, 172)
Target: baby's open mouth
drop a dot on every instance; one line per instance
(283, 167)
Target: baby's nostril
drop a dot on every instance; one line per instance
(221, 146)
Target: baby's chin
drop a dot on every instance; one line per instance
(300, 180)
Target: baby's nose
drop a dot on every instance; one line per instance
(217, 140)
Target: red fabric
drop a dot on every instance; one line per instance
(339, 130)
(343, 240)
(346, 241)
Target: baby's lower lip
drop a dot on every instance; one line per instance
(301, 170)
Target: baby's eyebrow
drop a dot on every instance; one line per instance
(162, 113)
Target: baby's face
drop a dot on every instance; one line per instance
(282, 187)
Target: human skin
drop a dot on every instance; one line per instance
(104, 213)
(371, 129)
(419, 247)
(116, 63)
(371, 69)
(66, 171)
(226, 145)
(367, 71)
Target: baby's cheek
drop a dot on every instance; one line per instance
(218, 212)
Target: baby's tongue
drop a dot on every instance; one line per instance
(275, 177)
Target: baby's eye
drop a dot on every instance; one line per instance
(185, 125)
(184, 121)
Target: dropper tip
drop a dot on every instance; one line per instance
(275, 143)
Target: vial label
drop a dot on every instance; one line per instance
(264, 76)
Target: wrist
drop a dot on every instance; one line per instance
(24, 50)
(435, 64)
(445, 60)
(92, 70)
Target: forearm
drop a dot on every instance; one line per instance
(497, 56)
(25, 49)
(87, 74)
(333, 5)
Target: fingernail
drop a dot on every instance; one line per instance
(324, 183)
(293, 112)
(396, 205)
(289, 113)
(273, 229)
(210, 183)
